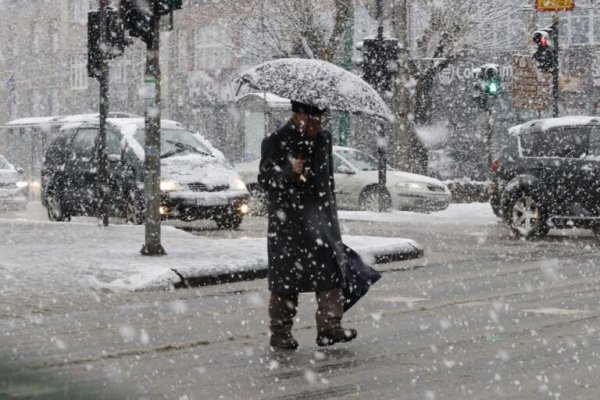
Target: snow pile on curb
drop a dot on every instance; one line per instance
(64, 257)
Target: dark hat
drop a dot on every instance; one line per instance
(306, 108)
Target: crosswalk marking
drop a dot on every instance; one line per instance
(555, 311)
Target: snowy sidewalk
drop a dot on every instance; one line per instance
(78, 256)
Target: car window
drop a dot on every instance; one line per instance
(337, 163)
(359, 160)
(56, 153)
(563, 142)
(175, 141)
(594, 142)
(113, 143)
(83, 143)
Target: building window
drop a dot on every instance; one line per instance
(35, 101)
(36, 37)
(53, 101)
(118, 69)
(212, 50)
(596, 26)
(12, 40)
(182, 50)
(79, 78)
(580, 27)
(79, 10)
(53, 35)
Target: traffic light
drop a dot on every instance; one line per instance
(546, 54)
(380, 62)
(487, 86)
(138, 15)
(490, 80)
(115, 40)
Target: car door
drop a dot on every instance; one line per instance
(119, 175)
(545, 158)
(80, 172)
(343, 175)
(590, 171)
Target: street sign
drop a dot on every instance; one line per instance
(554, 5)
(530, 87)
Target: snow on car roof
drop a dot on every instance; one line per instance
(64, 119)
(271, 99)
(539, 125)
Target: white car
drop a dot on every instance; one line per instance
(13, 188)
(356, 177)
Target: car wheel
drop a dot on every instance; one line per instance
(56, 209)
(134, 211)
(258, 200)
(527, 217)
(495, 203)
(229, 221)
(370, 197)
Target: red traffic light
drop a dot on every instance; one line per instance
(541, 39)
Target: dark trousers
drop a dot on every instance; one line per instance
(283, 308)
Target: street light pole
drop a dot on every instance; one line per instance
(152, 246)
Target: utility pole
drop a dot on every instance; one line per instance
(102, 183)
(153, 246)
(106, 40)
(142, 19)
(555, 70)
(381, 141)
(347, 45)
(403, 126)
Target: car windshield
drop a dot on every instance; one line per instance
(3, 163)
(176, 141)
(359, 160)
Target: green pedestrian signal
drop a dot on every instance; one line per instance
(487, 86)
(490, 79)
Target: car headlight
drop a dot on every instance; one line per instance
(412, 185)
(22, 184)
(238, 184)
(168, 185)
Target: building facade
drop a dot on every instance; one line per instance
(43, 63)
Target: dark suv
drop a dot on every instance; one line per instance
(548, 176)
(196, 179)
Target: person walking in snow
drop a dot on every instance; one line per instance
(304, 245)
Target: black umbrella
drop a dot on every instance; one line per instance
(358, 277)
(318, 83)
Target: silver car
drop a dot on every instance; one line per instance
(356, 177)
(13, 188)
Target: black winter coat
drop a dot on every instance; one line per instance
(305, 246)
(304, 243)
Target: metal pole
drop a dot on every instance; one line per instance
(555, 70)
(347, 45)
(153, 246)
(102, 181)
(489, 134)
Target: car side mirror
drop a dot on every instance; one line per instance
(20, 170)
(344, 169)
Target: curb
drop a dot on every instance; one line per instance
(261, 273)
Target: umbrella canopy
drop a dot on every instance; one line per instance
(318, 83)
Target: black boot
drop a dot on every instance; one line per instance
(283, 342)
(336, 335)
(282, 309)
